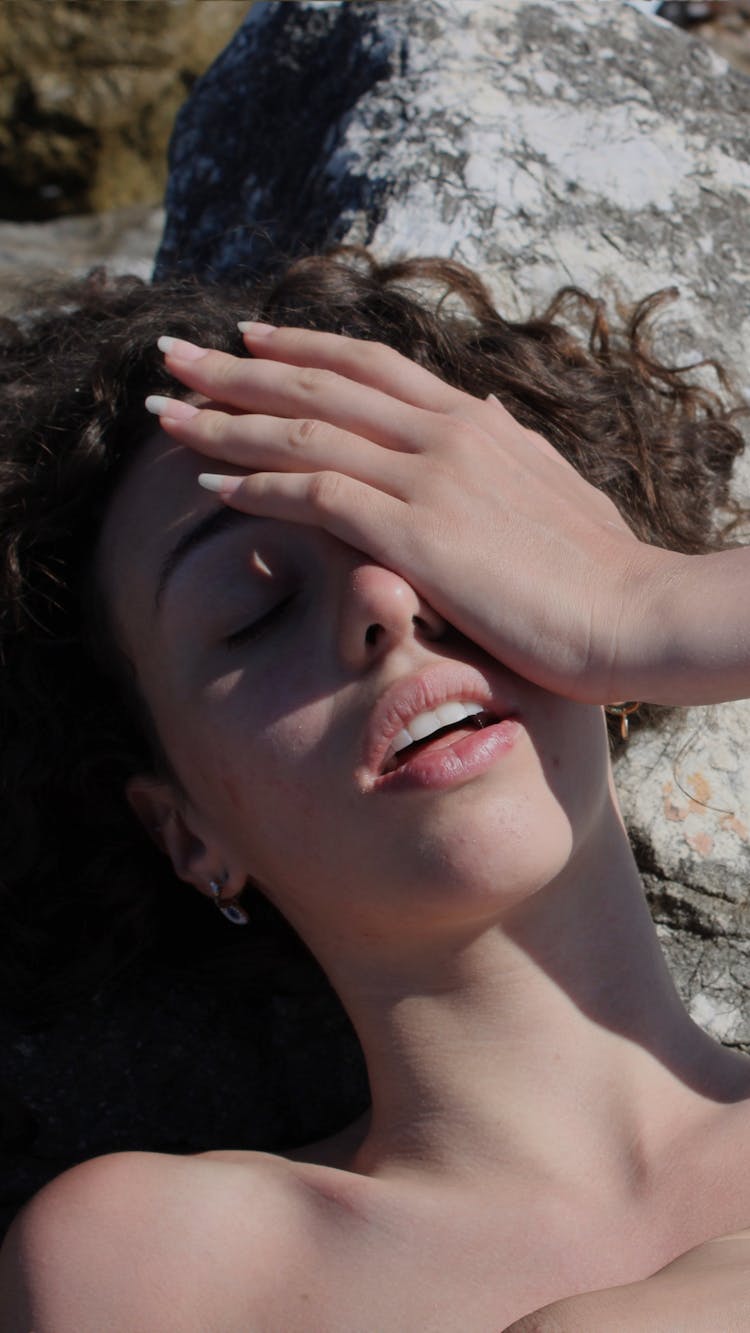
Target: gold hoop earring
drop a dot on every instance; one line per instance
(624, 711)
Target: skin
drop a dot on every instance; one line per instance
(547, 1120)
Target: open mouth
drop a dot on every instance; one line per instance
(440, 738)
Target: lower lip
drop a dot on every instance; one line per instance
(433, 770)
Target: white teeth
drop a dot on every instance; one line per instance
(423, 725)
(452, 712)
(431, 720)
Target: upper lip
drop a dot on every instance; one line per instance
(415, 694)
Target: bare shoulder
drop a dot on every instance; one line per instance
(146, 1240)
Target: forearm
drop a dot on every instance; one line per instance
(698, 647)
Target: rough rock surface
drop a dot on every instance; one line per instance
(124, 239)
(543, 144)
(685, 793)
(86, 106)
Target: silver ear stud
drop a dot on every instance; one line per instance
(232, 910)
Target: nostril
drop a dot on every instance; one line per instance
(430, 630)
(371, 634)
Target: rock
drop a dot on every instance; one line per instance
(86, 106)
(580, 155)
(542, 144)
(124, 239)
(685, 794)
(175, 1064)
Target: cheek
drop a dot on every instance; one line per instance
(262, 787)
(278, 797)
(573, 751)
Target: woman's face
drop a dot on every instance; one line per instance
(273, 659)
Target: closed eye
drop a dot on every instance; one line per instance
(257, 627)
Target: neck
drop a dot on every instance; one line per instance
(552, 1046)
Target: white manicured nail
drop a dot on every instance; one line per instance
(255, 328)
(180, 348)
(223, 486)
(169, 407)
(211, 481)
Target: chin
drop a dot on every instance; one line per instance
(480, 866)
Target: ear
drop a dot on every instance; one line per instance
(163, 813)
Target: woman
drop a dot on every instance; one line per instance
(364, 619)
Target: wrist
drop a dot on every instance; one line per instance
(651, 659)
(689, 624)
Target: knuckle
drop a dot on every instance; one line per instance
(221, 367)
(464, 431)
(324, 491)
(302, 432)
(213, 427)
(378, 350)
(313, 380)
(458, 435)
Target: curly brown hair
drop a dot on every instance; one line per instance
(83, 890)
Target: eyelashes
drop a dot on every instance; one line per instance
(258, 627)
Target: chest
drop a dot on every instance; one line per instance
(443, 1262)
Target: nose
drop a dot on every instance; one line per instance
(380, 610)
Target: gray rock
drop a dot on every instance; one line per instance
(581, 143)
(685, 794)
(125, 239)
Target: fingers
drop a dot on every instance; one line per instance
(410, 410)
(275, 388)
(357, 514)
(370, 363)
(381, 367)
(361, 386)
(261, 443)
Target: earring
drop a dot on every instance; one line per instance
(623, 711)
(232, 911)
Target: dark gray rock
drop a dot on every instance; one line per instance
(171, 1062)
(250, 159)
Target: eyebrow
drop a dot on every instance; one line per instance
(218, 521)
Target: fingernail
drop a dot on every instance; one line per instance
(178, 347)
(255, 328)
(170, 407)
(492, 398)
(213, 481)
